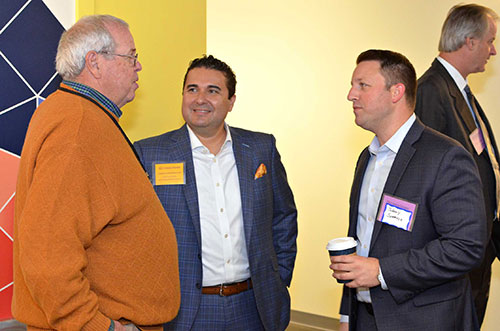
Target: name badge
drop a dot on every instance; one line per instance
(397, 212)
(477, 141)
(169, 174)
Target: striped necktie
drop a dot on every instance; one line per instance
(489, 147)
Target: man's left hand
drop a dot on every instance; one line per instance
(362, 270)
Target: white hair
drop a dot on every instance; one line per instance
(88, 34)
(464, 21)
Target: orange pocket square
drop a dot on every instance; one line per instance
(261, 171)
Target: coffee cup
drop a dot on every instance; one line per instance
(342, 246)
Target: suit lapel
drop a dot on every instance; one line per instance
(403, 158)
(356, 191)
(488, 127)
(181, 151)
(244, 158)
(459, 102)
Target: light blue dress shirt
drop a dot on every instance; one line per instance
(377, 171)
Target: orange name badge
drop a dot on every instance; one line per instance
(169, 174)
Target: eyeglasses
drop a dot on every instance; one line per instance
(132, 57)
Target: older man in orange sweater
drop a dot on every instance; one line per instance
(93, 247)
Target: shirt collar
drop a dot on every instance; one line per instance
(394, 143)
(196, 143)
(457, 77)
(95, 95)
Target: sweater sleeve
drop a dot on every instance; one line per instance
(65, 208)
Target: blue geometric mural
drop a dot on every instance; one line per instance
(29, 34)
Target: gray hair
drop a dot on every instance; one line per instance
(464, 21)
(88, 34)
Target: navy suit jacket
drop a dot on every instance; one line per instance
(425, 269)
(269, 217)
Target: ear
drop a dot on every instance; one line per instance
(397, 92)
(470, 43)
(92, 64)
(231, 102)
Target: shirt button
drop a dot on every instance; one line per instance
(228, 261)
(222, 210)
(372, 190)
(198, 286)
(217, 184)
(225, 236)
(364, 246)
(215, 160)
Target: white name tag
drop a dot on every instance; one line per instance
(397, 212)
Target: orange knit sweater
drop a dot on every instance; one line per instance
(91, 239)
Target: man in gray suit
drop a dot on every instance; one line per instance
(416, 209)
(444, 103)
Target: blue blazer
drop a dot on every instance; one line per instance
(269, 217)
(425, 269)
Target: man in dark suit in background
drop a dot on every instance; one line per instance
(226, 192)
(445, 103)
(416, 209)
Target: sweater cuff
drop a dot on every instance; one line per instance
(98, 323)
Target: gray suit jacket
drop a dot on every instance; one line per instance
(269, 217)
(425, 268)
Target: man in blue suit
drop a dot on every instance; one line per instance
(416, 209)
(226, 193)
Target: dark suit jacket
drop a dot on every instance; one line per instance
(425, 268)
(269, 217)
(441, 105)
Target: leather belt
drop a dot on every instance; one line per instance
(368, 307)
(225, 290)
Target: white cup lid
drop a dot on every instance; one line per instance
(338, 244)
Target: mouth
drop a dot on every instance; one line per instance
(201, 111)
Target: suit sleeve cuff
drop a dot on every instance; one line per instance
(344, 318)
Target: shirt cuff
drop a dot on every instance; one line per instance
(382, 280)
(344, 318)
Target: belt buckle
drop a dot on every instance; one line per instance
(221, 290)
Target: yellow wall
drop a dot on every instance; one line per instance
(168, 34)
(293, 60)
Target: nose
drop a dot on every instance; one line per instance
(493, 50)
(351, 96)
(200, 98)
(138, 66)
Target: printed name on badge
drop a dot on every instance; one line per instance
(397, 212)
(169, 174)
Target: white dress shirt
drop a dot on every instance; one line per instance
(223, 245)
